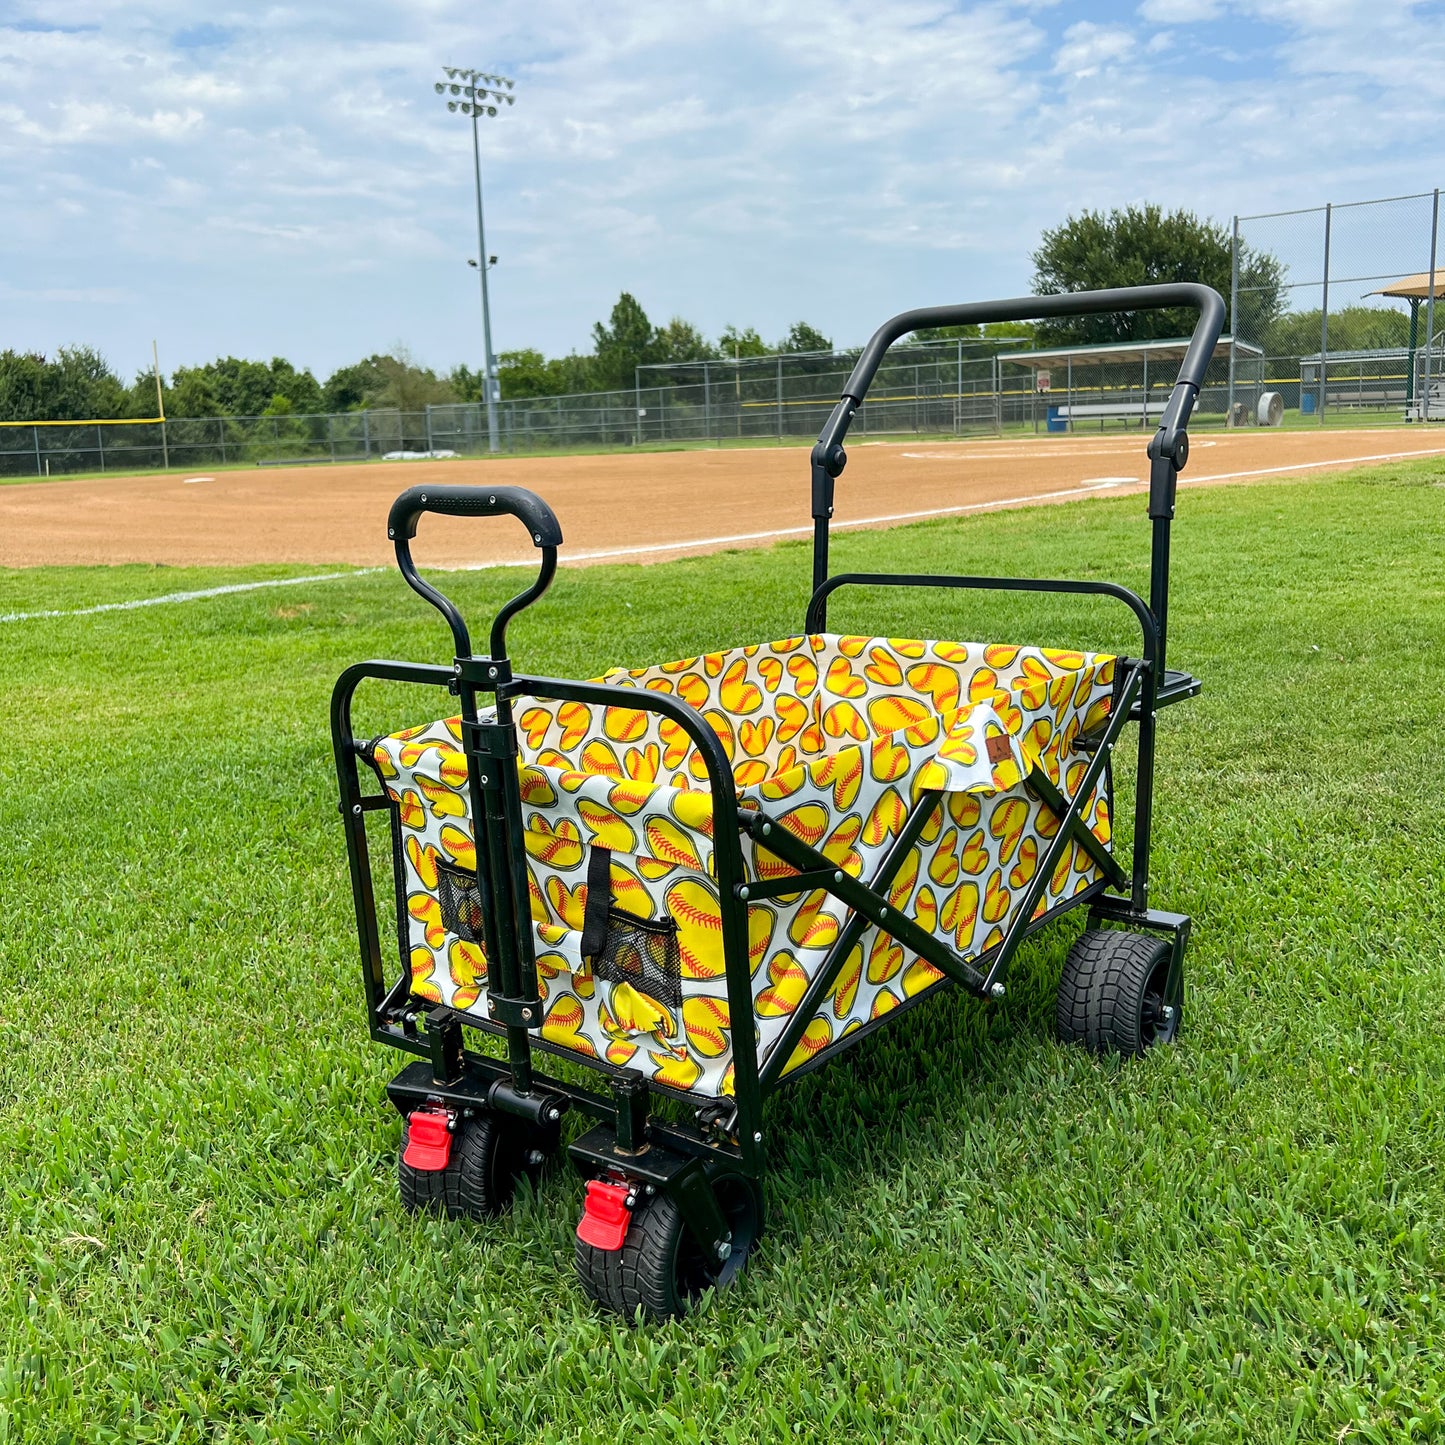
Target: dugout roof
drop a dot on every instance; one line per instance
(1171, 350)
(1414, 288)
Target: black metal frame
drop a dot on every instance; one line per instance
(729, 1137)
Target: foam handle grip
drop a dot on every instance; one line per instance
(538, 518)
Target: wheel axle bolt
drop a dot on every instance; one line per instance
(1167, 1011)
(997, 990)
(724, 1248)
(536, 1158)
(758, 1137)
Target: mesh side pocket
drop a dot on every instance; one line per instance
(642, 952)
(461, 903)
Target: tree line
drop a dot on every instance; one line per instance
(1136, 245)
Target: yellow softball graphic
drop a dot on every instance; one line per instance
(804, 672)
(842, 681)
(888, 761)
(1036, 740)
(885, 958)
(1075, 776)
(1060, 876)
(901, 889)
(712, 662)
(551, 965)
(886, 1002)
(452, 769)
(680, 666)
(770, 669)
(755, 737)
(413, 814)
(939, 682)
(883, 668)
(1097, 713)
(705, 1021)
(816, 1037)
(628, 891)
(919, 975)
(423, 966)
(925, 909)
(851, 646)
(750, 772)
(675, 743)
(669, 844)
(558, 847)
(444, 802)
(412, 753)
(843, 720)
(1006, 823)
(908, 647)
(999, 655)
(891, 714)
(736, 693)
(468, 967)
(996, 898)
(620, 1052)
(983, 685)
(606, 828)
(600, 757)
(423, 860)
(760, 934)
(428, 912)
(787, 982)
(641, 764)
(576, 719)
(569, 903)
(693, 809)
(694, 907)
(638, 1013)
(792, 717)
(624, 724)
(459, 847)
(674, 1071)
(721, 724)
(693, 690)
(959, 913)
(537, 898)
(1027, 866)
(384, 764)
(628, 797)
(551, 758)
(1060, 657)
(839, 847)
(974, 854)
(809, 822)
(811, 927)
(1102, 825)
(964, 809)
(563, 1024)
(885, 818)
(845, 989)
(534, 724)
(537, 792)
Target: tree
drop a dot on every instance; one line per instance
(247, 388)
(738, 344)
(626, 342)
(1020, 331)
(680, 341)
(386, 379)
(1141, 246)
(1352, 328)
(802, 337)
(75, 385)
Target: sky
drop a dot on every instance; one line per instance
(281, 179)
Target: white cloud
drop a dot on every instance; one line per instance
(286, 181)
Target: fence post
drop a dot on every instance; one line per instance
(1233, 312)
(958, 405)
(35, 433)
(1325, 316)
(427, 415)
(1430, 306)
(780, 398)
(706, 404)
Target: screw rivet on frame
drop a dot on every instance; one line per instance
(742, 891)
(758, 1137)
(356, 808)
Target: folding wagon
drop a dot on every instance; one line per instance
(700, 880)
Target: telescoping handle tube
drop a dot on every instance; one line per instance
(460, 501)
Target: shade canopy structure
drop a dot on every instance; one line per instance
(1414, 288)
(1168, 350)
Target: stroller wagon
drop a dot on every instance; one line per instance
(701, 879)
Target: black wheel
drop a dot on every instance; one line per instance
(661, 1267)
(1112, 993)
(489, 1155)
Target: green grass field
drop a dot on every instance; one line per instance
(975, 1234)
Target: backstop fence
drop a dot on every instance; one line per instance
(1332, 318)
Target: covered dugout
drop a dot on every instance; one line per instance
(1127, 381)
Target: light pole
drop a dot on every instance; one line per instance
(475, 93)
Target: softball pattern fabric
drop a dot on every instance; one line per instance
(834, 737)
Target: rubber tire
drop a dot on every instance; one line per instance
(661, 1268)
(488, 1156)
(1112, 991)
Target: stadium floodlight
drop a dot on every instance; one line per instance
(482, 91)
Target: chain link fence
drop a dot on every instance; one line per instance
(1341, 299)
(1332, 312)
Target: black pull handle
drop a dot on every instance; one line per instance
(461, 501)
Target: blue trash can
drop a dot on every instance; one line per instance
(1307, 402)
(1057, 422)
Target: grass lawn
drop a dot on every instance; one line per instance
(975, 1234)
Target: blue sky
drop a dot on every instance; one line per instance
(281, 179)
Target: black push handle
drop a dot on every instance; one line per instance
(1210, 304)
(538, 518)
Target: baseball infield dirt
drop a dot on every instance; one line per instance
(638, 507)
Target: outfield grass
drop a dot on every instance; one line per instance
(975, 1234)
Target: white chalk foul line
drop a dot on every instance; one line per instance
(195, 596)
(1314, 466)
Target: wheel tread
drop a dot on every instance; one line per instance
(1101, 990)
